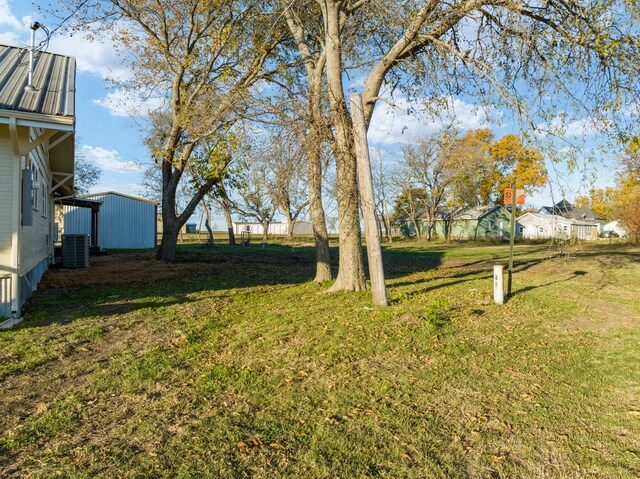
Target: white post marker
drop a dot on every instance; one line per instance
(498, 284)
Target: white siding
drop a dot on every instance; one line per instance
(125, 223)
(537, 227)
(35, 241)
(5, 297)
(6, 199)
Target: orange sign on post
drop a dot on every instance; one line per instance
(508, 196)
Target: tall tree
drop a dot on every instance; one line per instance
(285, 180)
(512, 159)
(427, 164)
(473, 169)
(383, 184)
(202, 57)
(302, 18)
(627, 205)
(599, 200)
(409, 206)
(512, 53)
(254, 197)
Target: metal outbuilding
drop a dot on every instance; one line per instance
(124, 222)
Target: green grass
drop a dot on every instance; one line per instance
(241, 367)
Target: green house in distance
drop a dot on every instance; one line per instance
(479, 223)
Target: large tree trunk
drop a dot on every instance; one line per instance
(227, 217)
(171, 222)
(291, 224)
(313, 141)
(170, 232)
(351, 269)
(291, 221)
(417, 228)
(314, 178)
(207, 223)
(265, 231)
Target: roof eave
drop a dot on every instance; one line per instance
(38, 120)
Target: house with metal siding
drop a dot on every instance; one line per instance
(37, 128)
(482, 222)
(124, 221)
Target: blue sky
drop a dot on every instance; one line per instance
(107, 135)
(112, 139)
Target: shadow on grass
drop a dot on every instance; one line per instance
(575, 275)
(125, 281)
(224, 267)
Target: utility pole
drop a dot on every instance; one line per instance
(374, 253)
(512, 234)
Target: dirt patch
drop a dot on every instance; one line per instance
(601, 317)
(24, 391)
(122, 268)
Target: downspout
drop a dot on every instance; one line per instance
(16, 310)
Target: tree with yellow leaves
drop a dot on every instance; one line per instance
(599, 200)
(511, 159)
(627, 206)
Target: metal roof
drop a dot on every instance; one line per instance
(53, 77)
(105, 193)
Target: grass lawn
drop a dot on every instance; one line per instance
(230, 363)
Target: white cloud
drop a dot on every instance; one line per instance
(7, 17)
(562, 126)
(405, 122)
(108, 160)
(124, 103)
(8, 38)
(94, 54)
(133, 189)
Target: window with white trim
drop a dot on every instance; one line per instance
(35, 189)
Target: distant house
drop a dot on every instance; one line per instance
(124, 221)
(547, 226)
(37, 128)
(301, 228)
(567, 210)
(616, 228)
(482, 222)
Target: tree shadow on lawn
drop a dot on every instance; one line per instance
(575, 275)
(123, 282)
(468, 276)
(518, 267)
